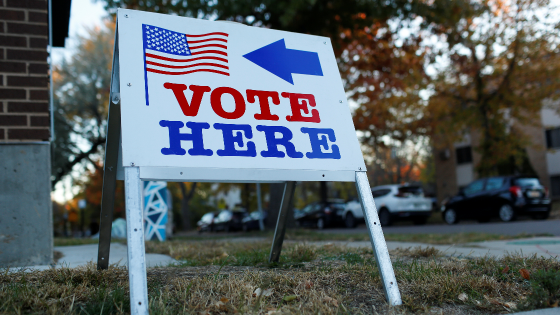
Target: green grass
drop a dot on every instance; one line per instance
(314, 235)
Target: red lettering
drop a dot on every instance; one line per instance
(263, 102)
(298, 107)
(216, 102)
(198, 92)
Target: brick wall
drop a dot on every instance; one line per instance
(24, 94)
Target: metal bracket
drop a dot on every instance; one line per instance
(115, 97)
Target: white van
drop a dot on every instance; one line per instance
(393, 202)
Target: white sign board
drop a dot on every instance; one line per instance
(203, 100)
(196, 100)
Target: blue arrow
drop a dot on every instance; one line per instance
(282, 62)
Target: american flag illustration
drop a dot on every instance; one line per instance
(173, 53)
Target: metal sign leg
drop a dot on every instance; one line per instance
(381, 252)
(110, 165)
(289, 189)
(137, 277)
(109, 185)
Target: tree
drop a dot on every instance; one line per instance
(186, 198)
(382, 72)
(81, 98)
(502, 65)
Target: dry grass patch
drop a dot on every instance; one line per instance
(234, 278)
(457, 238)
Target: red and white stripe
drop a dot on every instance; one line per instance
(208, 54)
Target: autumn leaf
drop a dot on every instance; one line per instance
(260, 292)
(289, 298)
(329, 299)
(505, 270)
(525, 273)
(510, 305)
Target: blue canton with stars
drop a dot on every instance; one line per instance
(166, 41)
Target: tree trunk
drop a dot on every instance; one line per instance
(276, 194)
(185, 213)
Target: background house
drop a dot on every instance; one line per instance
(455, 166)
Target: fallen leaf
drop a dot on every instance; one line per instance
(463, 297)
(491, 300)
(525, 273)
(259, 291)
(289, 298)
(329, 299)
(308, 284)
(505, 270)
(224, 300)
(511, 305)
(553, 304)
(224, 255)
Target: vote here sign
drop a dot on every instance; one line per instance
(208, 100)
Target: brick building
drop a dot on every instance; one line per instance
(25, 202)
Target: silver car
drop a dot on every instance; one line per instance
(393, 202)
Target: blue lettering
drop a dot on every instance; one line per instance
(272, 142)
(317, 143)
(230, 140)
(175, 138)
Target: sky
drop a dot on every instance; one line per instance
(84, 14)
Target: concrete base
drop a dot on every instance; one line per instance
(26, 230)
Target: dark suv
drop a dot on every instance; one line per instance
(504, 197)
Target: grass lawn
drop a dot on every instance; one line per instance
(235, 278)
(314, 235)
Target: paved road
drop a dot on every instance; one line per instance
(511, 228)
(81, 255)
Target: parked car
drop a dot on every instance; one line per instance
(228, 220)
(206, 223)
(393, 202)
(321, 215)
(504, 197)
(251, 222)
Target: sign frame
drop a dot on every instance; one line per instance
(133, 175)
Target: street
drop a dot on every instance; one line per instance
(511, 228)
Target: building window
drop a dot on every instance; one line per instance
(555, 186)
(553, 138)
(464, 155)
